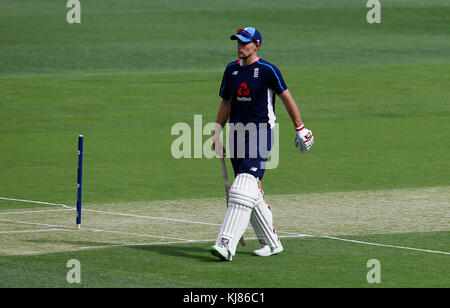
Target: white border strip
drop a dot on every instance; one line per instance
(33, 231)
(35, 202)
(152, 217)
(94, 230)
(40, 211)
(384, 245)
(99, 211)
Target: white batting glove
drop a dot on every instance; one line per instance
(304, 139)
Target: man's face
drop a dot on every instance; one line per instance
(245, 50)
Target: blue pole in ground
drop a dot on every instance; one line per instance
(79, 179)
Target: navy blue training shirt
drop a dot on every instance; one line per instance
(251, 90)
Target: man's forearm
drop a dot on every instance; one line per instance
(223, 114)
(222, 117)
(294, 113)
(291, 108)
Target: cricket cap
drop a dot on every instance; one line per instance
(247, 35)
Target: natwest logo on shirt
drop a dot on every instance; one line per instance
(242, 92)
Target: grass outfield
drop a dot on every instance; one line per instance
(310, 262)
(375, 96)
(363, 122)
(121, 245)
(166, 243)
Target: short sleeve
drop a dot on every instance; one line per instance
(276, 82)
(225, 86)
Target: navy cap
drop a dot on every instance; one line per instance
(247, 35)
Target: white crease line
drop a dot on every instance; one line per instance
(117, 214)
(384, 245)
(36, 224)
(40, 211)
(137, 234)
(142, 244)
(105, 212)
(36, 202)
(32, 231)
(90, 229)
(294, 234)
(152, 217)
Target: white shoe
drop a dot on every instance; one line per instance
(221, 252)
(266, 251)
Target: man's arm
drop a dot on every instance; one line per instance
(291, 108)
(222, 117)
(224, 113)
(304, 138)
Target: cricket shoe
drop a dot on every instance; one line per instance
(221, 252)
(266, 251)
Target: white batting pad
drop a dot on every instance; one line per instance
(262, 222)
(233, 227)
(244, 193)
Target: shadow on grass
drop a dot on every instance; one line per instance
(195, 252)
(190, 251)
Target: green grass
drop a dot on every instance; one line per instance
(375, 96)
(167, 35)
(373, 131)
(314, 262)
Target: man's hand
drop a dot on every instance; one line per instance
(217, 146)
(304, 139)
